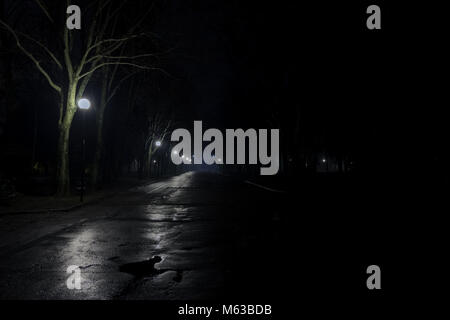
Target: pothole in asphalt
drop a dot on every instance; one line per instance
(146, 268)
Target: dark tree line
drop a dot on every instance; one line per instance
(108, 61)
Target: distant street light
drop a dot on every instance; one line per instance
(158, 143)
(84, 105)
(324, 160)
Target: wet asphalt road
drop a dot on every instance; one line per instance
(207, 236)
(193, 236)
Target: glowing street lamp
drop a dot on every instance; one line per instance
(84, 104)
(158, 143)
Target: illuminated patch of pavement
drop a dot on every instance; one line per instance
(182, 222)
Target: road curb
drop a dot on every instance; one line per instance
(80, 205)
(263, 187)
(56, 210)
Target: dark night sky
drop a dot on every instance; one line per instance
(246, 59)
(238, 62)
(233, 52)
(202, 57)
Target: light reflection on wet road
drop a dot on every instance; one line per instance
(185, 220)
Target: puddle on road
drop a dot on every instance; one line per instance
(146, 268)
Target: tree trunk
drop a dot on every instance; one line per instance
(8, 101)
(99, 142)
(98, 149)
(35, 134)
(148, 162)
(62, 170)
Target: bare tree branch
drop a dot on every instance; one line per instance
(116, 88)
(32, 58)
(123, 57)
(113, 75)
(120, 63)
(47, 50)
(99, 43)
(44, 9)
(67, 58)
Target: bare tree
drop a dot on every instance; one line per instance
(159, 124)
(8, 101)
(78, 55)
(110, 84)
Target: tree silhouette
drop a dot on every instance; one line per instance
(68, 59)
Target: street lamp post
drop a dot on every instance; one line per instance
(158, 144)
(83, 105)
(324, 160)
